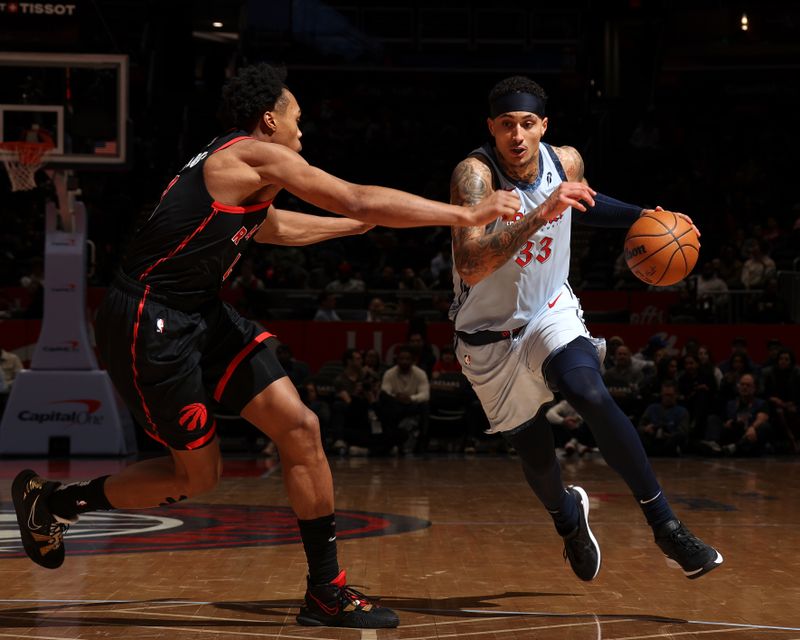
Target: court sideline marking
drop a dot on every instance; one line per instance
(371, 634)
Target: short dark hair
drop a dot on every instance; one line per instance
(404, 348)
(347, 356)
(251, 92)
(516, 84)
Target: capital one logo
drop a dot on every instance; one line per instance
(87, 414)
(64, 288)
(66, 346)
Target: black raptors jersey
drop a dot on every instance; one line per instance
(190, 243)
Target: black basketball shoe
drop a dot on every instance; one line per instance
(580, 545)
(42, 533)
(686, 551)
(337, 605)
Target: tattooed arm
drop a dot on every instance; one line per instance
(572, 162)
(478, 254)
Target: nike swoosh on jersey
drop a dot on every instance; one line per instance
(552, 304)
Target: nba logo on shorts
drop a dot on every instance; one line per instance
(467, 360)
(160, 325)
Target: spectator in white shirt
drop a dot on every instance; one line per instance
(405, 395)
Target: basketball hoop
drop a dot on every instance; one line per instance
(22, 160)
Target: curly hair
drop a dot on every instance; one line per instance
(516, 84)
(254, 90)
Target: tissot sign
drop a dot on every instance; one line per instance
(37, 8)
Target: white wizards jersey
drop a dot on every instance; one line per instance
(522, 287)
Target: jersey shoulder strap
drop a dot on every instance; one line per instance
(554, 157)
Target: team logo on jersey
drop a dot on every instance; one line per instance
(244, 234)
(192, 526)
(239, 236)
(160, 325)
(193, 416)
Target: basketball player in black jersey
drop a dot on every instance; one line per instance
(173, 348)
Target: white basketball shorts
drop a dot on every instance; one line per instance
(507, 375)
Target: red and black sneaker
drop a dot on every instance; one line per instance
(337, 605)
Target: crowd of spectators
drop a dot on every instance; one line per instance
(419, 401)
(681, 402)
(685, 402)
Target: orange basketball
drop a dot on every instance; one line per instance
(661, 248)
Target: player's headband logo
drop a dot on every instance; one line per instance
(517, 102)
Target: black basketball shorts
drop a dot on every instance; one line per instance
(173, 367)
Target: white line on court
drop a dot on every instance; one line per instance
(19, 637)
(746, 626)
(497, 632)
(490, 616)
(442, 623)
(221, 632)
(163, 614)
(662, 619)
(679, 633)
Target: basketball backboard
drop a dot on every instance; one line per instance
(79, 100)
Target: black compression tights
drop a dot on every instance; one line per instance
(575, 372)
(616, 437)
(536, 448)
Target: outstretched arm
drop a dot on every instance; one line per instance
(262, 164)
(476, 252)
(293, 229)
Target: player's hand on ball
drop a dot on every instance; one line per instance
(677, 213)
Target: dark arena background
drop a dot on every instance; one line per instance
(687, 105)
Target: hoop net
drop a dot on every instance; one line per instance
(22, 160)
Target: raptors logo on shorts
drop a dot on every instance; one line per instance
(193, 416)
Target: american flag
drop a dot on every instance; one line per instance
(105, 147)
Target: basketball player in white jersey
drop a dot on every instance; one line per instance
(519, 326)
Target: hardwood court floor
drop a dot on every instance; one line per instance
(488, 567)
